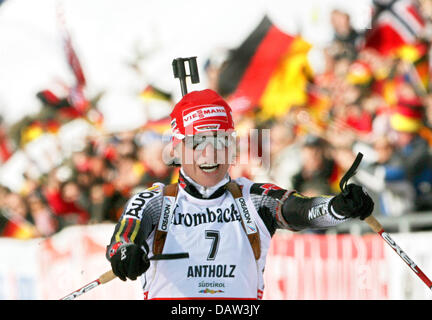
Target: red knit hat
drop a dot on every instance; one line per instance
(200, 111)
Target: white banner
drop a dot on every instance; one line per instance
(346, 267)
(299, 266)
(54, 267)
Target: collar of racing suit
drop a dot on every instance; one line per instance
(198, 191)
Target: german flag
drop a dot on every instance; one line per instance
(334, 179)
(318, 106)
(160, 126)
(152, 92)
(418, 56)
(33, 131)
(13, 227)
(269, 71)
(360, 74)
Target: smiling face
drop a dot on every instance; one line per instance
(206, 158)
(202, 131)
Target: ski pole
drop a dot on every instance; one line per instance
(378, 228)
(109, 275)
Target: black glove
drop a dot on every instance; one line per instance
(130, 261)
(355, 204)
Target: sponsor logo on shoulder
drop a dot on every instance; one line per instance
(138, 202)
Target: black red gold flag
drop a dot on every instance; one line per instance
(268, 71)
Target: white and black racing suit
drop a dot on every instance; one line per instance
(206, 224)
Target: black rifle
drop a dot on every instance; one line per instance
(179, 70)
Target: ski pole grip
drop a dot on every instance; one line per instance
(351, 171)
(374, 224)
(107, 276)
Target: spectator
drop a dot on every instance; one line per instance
(345, 37)
(17, 206)
(15, 218)
(63, 199)
(97, 201)
(426, 130)
(284, 160)
(44, 219)
(317, 173)
(4, 191)
(213, 65)
(155, 168)
(393, 197)
(414, 154)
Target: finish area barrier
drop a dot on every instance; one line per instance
(299, 266)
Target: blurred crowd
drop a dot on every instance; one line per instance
(92, 186)
(361, 102)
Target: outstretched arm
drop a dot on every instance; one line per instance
(280, 208)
